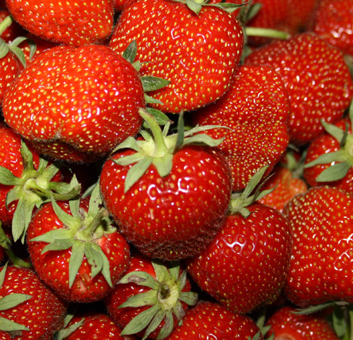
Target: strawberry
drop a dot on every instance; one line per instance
(256, 109)
(245, 266)
(78, 113)
(210, 320)
(66, 22)
(322, 224)
(151, 298)
(168, 196)
(286, 324)
(307, 64)
(198, 51)
(12, 31)
(29, 310)
(75, 250)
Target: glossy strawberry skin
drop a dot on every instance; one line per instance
(53, 266)
(246, 264)
(287, 325)
(256, 109)
(307, 64)
(197, 53)
(66, 22)
(209, 320)
(43, 314)
(173, 217)
(322, 225)
(10, 68)
(78, 113)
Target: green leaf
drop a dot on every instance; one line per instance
(180, 134)
(194, 6)
(333, 130)
(52, 235)
(4, 49)
(161, 117)
(3, 273)
(162, 273)
(95, 201)
(334, 172)
(151, 100)
(253, 11)
(338, 321)
(10, 326)
(128, 143)
(32, 47)
(327, 158)
(203, 139)
(148, 298)
(130, 52)
(167, 328)
(78, 250)
(314, 309)
(190, 298)
(174, 269)
(254, 181)
(13, 300)
(59, 244)
(94, 259)
(157, 319)
(66, 219)
(164, 164)
(19, 54)
(140, 278)
(27, 156)
(106, 266)
(8, 178)
(136, 172)
(74, 203)
(64, 333)
(21, 219)
(150, 83)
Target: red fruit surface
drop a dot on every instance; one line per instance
(320, 266)
(246, 264)
(256, 109)
(68, 22)
(307, 65)
(197, 53)
(176, 216)
(76, 104)
(209, 320)
(11, 32)
(287, 325)
(43, 314)
(10, 68)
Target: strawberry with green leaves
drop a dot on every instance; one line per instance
(28, 309)
(76, 250)
(195, 45)
(246, 264)
(167, 192)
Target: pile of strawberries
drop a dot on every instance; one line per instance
(176, 169)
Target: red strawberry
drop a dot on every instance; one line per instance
(320, 266)
(150, 299)
(245, 266)
(307, 65)
(75, 250)
(168, 197)
(65, 22)
(209, 320)
(11, 32)
(78, 113)
(287, 325)
(198, 53)
(256, 109)
(36, 313)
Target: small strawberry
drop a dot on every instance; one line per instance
(246, 264)
(256, 111)
(307, 65)
(197, 50)
(28, 309)
(69, 22)
(76, 250)
(167, 193)
(320, 266)
(209, 320)
(151, 298)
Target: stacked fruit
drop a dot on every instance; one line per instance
(176, 169)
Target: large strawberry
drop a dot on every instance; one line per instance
(256, 109)
(316, 78)
(76, 103)
(168, 195)
(76, 250)
(320, 266)
(246, 264)
(198, 52)
(28, 309)
(71, 22)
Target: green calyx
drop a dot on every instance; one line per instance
(341, 160)
(82, 229)
(165, 298)
(33, 189)
(158, 148)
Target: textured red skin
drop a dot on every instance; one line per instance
(53, 266)
(10, 68)
(246, 264)
(44, 310)
(173, 217)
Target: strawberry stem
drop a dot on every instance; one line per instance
(87, 233)
(5, 23)
(266, 33)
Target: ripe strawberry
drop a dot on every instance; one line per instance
(168, 197)
(198, 52)
(66, 22)
(210, 320)
(320, 267)
(287, 325)
(307, 65)
(150, 299)
(36, 313)
(11, 32)
(256, 109)
(78, 113)
(245, 266)
(75, 250)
